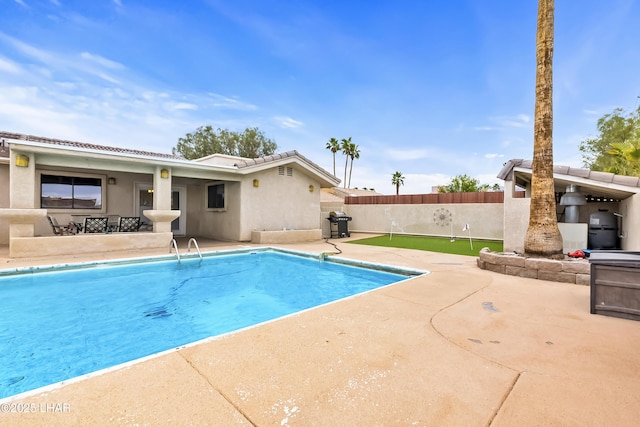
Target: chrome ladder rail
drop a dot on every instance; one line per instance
(195, 243)
(174, 244)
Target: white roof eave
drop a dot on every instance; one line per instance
(586, 183)
(328, 180)
(43, 148)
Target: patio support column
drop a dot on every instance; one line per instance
(162, 189)
(22, 193)
(162, 215)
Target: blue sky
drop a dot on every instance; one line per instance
(432, 89)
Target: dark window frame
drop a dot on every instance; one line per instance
(69, 191)
(219, 202)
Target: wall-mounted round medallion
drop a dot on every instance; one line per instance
(442, 217)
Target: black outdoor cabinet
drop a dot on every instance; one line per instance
(603, 230)
(615, 283)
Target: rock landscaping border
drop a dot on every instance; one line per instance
(569, 270)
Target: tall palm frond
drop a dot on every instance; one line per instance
(334, 146)
(346, 150)
(397, 179)
(354, 153)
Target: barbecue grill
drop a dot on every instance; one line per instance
(339, 224)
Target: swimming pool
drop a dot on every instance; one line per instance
(61, 323)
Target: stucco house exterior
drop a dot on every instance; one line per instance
(600, 192)
(218, 197)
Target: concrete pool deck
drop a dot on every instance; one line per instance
(458, 347)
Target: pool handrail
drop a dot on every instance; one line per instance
(195, 243)
(174, 244)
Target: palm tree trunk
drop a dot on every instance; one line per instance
(345, 170)
(543, 237)
(334, 163)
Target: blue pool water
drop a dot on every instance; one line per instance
(56, 325)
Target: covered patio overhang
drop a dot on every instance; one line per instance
(28, 157)
(602, 191)
(597, 189)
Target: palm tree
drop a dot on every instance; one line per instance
(346, 150)
(334, 146)
(397, 179)
(543, 237)
(354, 153)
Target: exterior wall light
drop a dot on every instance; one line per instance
(256, 183)
(164, 174)
(311, 188)
(22, 161)
(111, 181)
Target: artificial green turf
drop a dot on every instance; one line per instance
(460, 246)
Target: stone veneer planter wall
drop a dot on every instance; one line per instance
(568, 270)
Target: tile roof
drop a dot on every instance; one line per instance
(84, 145)
(604, 177)
(244, 163)
(240, 164)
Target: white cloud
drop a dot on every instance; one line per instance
(172, 106)
(28, 50)
(416, 183)
(505, 143)
(591, 112)
(120, 113)
(61, 64)
(221, 101)
(8, 66)
(108, 78)
(102, 61)
(505, 123)
(288, 122)
(518, 121)
(372, 177)
(492, 155)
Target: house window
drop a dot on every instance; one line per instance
(70, 192)
(215, 196)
